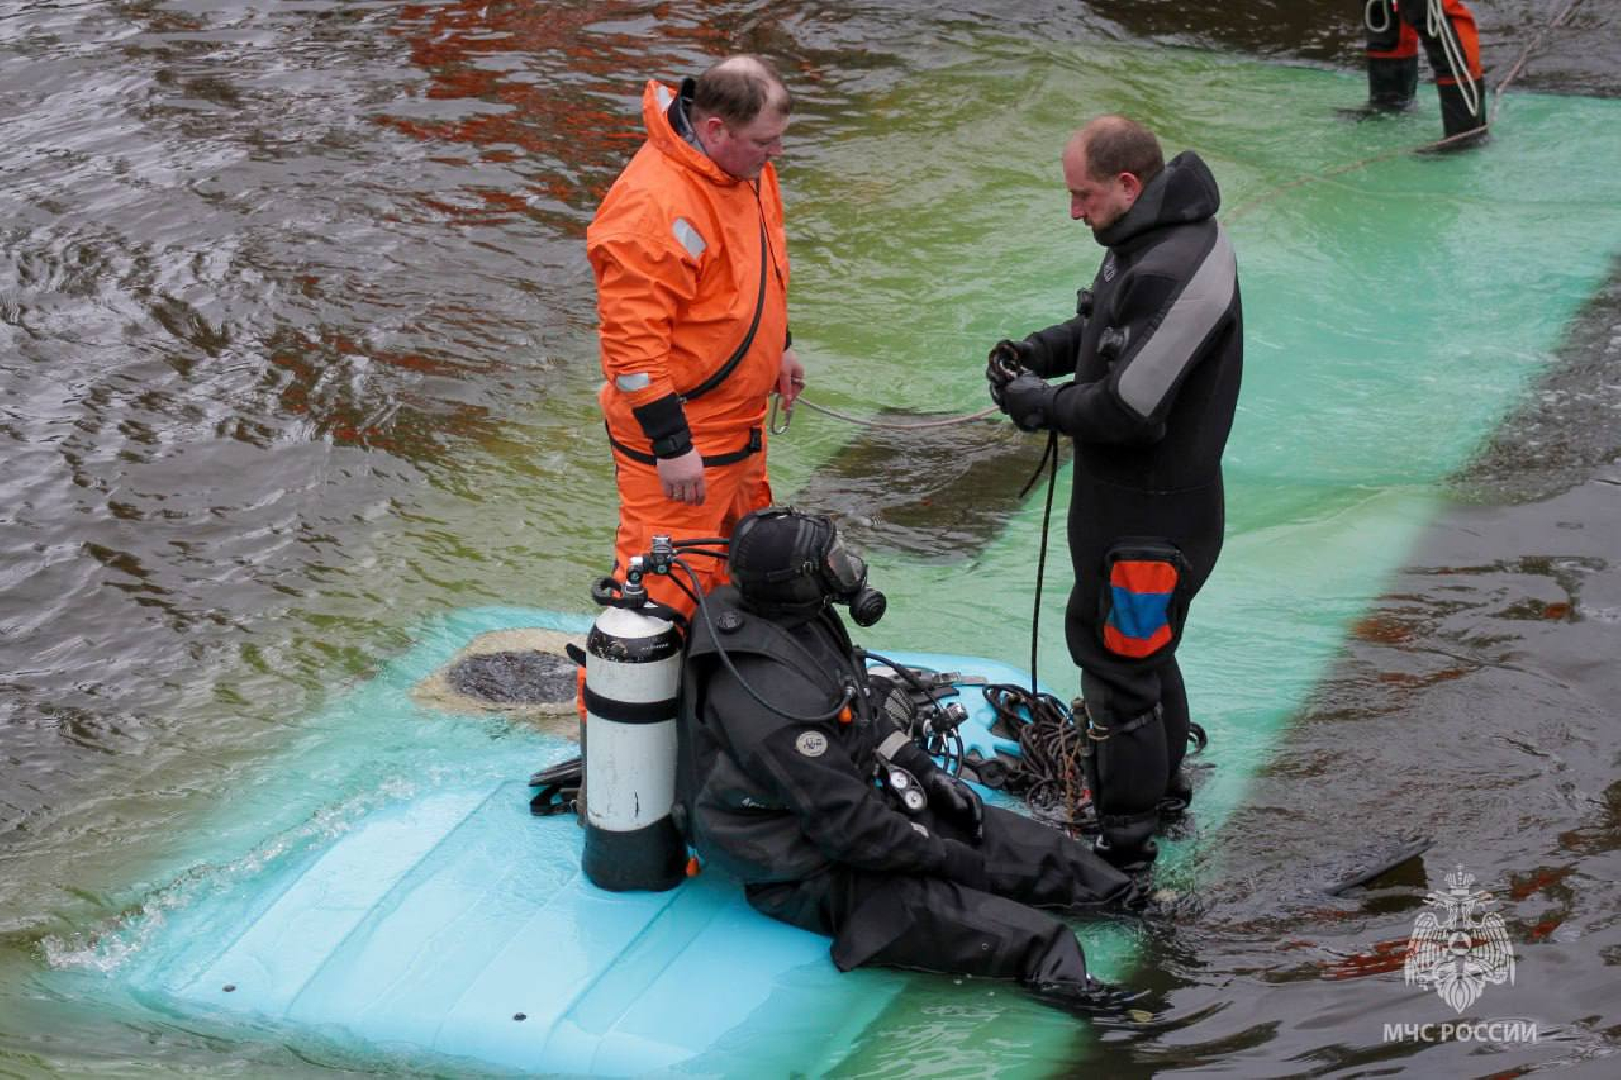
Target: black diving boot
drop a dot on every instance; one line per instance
(1392, 85)
(1089, 998)
(1132, 858)
(1457, 119)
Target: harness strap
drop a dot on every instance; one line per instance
(755, 444)
(719, 376)
(1098, 732)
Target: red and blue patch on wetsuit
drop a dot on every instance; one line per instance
(1139, 622)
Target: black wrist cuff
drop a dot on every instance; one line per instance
(664, 422)
(1057, 414)
(788, 341)
(673, 446)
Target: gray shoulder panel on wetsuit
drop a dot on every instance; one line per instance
(1173, 346)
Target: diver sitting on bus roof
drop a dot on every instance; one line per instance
(797, 775)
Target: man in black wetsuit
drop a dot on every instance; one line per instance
(1155, 348)
(794, 767)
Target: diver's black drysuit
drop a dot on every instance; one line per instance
(1156, 348)
(792, 809)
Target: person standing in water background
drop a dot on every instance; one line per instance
(1156, 350)
(1447, 27)
(691, 263)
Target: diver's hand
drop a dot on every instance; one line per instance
(1028, 402)
(955, 801)
(682, 478)
(1008, 360)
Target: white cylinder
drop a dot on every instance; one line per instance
(632, 678)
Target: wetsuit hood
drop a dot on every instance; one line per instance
(1182, 193)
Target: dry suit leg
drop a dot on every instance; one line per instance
(733, 491)
(1463, 92)
(1174, 713)
(1128, 770)
(1042, 866)
(932, 924)
(1392, 58)
(927, 924)
(1134, 706)
(1139, 558)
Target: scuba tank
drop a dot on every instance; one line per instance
(632, 684)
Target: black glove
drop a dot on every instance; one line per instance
(1093, 998)
(955, 801)
(1008, 360)
(1028, 402)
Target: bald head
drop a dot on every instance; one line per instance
(739, 113)
(1111, 144)
(1106, 165)
(738, 89)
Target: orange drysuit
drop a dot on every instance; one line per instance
(691, 266)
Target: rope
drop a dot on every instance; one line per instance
(1049, 461)
(944, 421)
(1367, 15)
(1441, 26)
(1048, 772)
(1536, 39)
(1497, 103)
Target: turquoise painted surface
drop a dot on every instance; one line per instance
(434, 914)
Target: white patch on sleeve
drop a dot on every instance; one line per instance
(641, 380)
(664, 95)
(688, 235)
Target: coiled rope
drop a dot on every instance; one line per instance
(1440, 26)
(1048, 772)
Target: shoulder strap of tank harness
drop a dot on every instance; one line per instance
(751, 635)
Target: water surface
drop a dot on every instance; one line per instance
(298, 356)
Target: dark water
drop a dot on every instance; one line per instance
(295, 344)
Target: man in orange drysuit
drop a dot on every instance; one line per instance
(691, 265)
(1447, 28)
